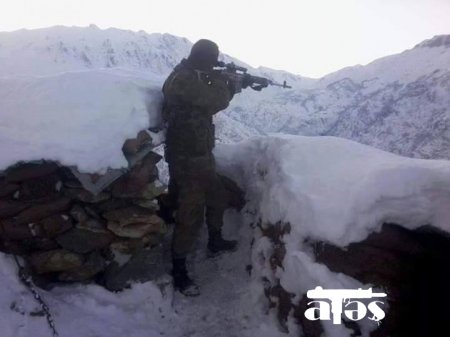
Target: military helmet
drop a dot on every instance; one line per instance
(204, 54)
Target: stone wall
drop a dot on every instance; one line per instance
(411, 266)
(66, 233)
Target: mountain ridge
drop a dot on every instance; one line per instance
(398, 103)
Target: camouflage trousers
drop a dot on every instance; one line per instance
(199, 194)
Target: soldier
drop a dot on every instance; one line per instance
(193, 93)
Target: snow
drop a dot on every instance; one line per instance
(333, 190)
(76, 118)
(398, 103)
(74, 95)
(404, 67)
(327, 188)
(229, 306)
(53, 50)
(81, 310)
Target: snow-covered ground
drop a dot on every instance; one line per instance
(229, 305)
(327, 188)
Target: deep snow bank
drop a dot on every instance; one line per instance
(76, 118)
(337, 190)
(329, 190)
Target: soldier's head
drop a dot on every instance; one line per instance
(204, 54)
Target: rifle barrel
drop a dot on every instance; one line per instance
(284, 85)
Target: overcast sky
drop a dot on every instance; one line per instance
(307, 37)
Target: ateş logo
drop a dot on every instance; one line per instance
(341, 302)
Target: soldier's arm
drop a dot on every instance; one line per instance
(188, 88)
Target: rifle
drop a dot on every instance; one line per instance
(240, 79)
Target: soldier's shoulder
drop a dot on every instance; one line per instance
(182, 76)
(185, 74)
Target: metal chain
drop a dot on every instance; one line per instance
(26, 280)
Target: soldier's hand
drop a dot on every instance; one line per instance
(231, 86)
(217, 76)
(247, 81)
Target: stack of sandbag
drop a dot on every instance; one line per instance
(67, 231)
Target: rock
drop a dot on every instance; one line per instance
(132, 214)
(41, 211)
(85, 196)
(410, 265)
(83, 241)
(9, 208)
(130, 246)
(40, 187)
(145, 265)
(44, 281)
(23, 172)
(94, 177)
(55, 260)
(126, 246)
(151, 205)
(13, 232)
(132, 146)
(93, 225)
(380, 257)
(133, 184)
(7, 188)
(94, 264)
(112, 204)
(134, 222)
(136, 230)
(92, 212)
(394, 238)
(73, 183)
(13, 247)
(151, 159)
(78, 213)
(40, 244)
(362, 261)
(55, 225)
(153, 190)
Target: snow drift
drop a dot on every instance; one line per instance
(329, 190)
(76, 118)
(338, 190)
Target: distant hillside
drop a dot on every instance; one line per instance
(399, 103)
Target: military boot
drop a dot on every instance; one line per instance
(181, 280)
(217, 244)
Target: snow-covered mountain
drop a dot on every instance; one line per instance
(400, 103)
(49, 51)
(58, 49)
(75, 94)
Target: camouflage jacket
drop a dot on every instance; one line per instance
(191, 98)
